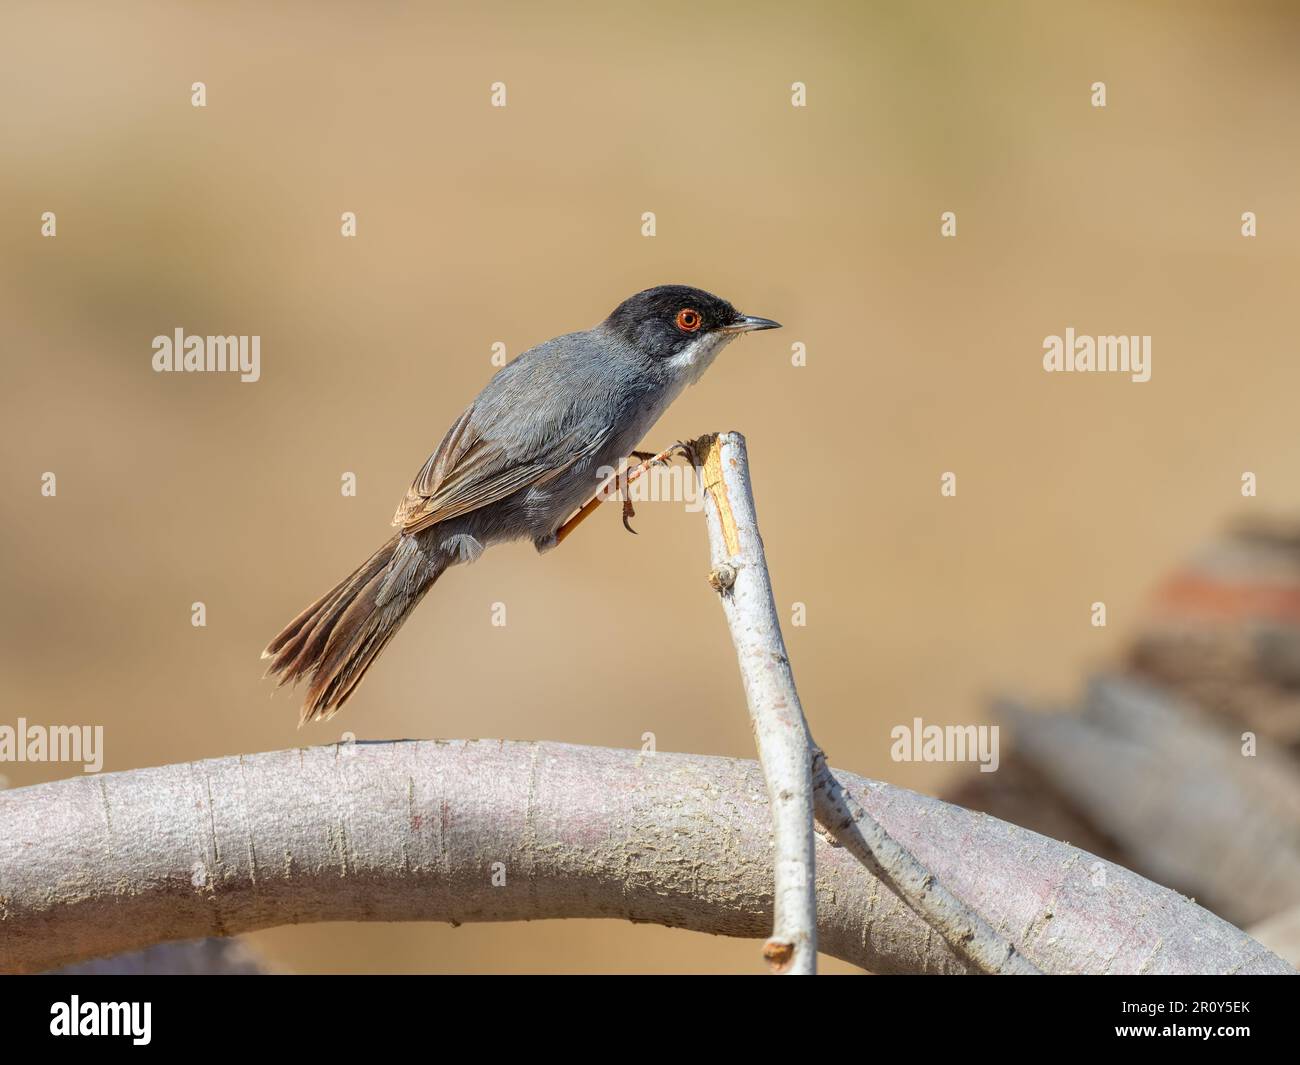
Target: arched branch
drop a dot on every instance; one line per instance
(497, 831)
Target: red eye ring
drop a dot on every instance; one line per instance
(688, 320)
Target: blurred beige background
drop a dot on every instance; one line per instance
(479, 224)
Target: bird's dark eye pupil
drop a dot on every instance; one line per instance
(688, 320)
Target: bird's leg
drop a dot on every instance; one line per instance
(585, 511)
(578, 518)
(648, 459)
(645, 460)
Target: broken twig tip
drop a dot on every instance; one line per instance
(778, 953)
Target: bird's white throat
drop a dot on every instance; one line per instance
(698, 355)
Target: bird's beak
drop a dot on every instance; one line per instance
(748, 324)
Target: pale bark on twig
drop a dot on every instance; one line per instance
(496, 831)
(797, 782)
(739, 576)
(864, 837)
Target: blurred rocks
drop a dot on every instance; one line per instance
(1182, 764)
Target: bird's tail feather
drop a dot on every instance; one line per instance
(335, 640)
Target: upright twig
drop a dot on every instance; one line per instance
(798, 779)
(739, 576)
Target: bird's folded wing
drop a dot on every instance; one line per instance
(468, 471)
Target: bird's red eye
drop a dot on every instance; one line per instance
(689, 320)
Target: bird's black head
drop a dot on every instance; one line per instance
(665, 321)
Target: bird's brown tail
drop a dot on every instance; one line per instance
(335, 640)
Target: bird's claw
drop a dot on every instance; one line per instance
(646, 460)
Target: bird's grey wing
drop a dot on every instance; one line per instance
(471, 469)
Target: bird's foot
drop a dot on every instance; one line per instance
(647, 460)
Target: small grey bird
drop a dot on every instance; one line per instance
(525, 455)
